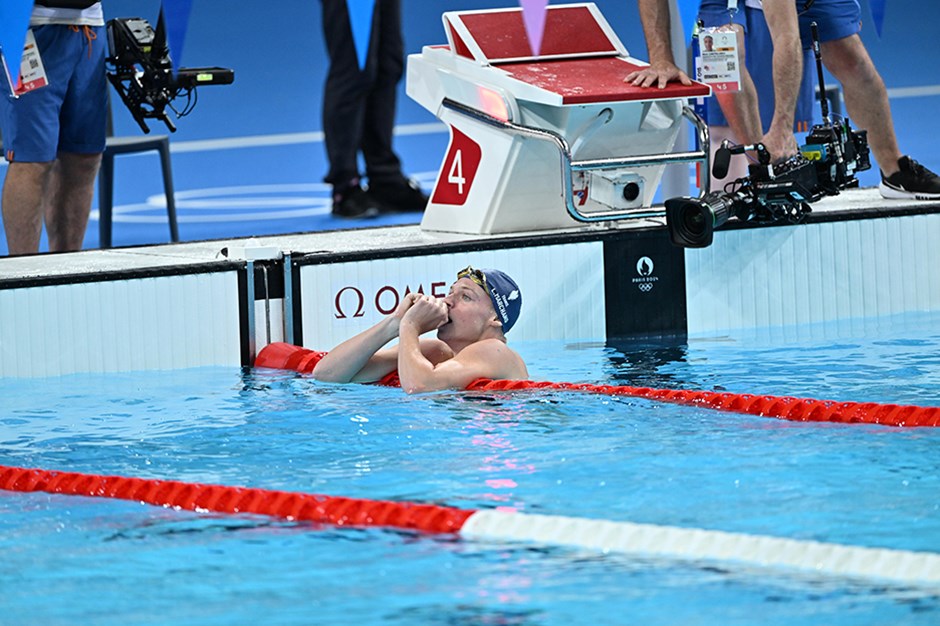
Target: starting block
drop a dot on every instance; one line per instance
(546, 141)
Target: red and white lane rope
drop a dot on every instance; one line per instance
(289, 357)
(898, 566)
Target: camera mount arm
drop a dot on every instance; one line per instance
(140, 70)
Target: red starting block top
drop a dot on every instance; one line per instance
(581, 58)
(583, 81)
(500, 35)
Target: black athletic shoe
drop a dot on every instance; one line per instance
(353, 203)
(913, 181)
(403, 196)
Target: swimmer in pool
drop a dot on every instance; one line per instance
(471, 323)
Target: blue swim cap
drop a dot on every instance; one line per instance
(503, 292)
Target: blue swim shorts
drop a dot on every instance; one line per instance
(835, 19)
(70, 113)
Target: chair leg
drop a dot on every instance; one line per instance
(105, 199)
(168, 190)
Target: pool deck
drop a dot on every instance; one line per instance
(381, 242)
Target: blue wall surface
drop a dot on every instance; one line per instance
(265, 175)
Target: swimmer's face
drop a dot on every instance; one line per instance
(470, 310)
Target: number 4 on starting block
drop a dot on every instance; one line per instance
(458, 170)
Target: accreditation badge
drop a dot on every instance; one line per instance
(717, 62)
(32, 74)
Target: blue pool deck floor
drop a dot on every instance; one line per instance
(249, 160)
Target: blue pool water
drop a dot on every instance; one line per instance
(84, 560)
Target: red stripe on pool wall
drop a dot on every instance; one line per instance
(285, 356)
(223, 499)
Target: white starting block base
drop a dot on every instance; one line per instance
(543, 141)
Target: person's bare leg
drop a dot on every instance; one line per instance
(740, 108)
(866, 98)
(23, 205)
(71, 190)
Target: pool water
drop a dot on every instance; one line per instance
(85, 560)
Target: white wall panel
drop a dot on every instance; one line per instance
(781, 277)
(562, 290)
(138, 324)
(753, 278)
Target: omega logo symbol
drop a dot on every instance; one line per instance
(358, 300)
(350, 301)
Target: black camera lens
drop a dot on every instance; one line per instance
(631, 191)
(692, 220)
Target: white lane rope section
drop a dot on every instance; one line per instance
(692, 544)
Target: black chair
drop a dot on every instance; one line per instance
(132, 145)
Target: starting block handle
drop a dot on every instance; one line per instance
(568, 165)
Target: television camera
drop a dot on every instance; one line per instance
(140, 69)
(773, 193)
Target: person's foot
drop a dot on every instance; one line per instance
(353, 203)
(402, 196)
(913, 181)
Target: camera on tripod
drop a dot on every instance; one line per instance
(774, 193)
(140, 69)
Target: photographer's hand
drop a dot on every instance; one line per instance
(781, 144)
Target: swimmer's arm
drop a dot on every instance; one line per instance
(487, 359)
(361, 358)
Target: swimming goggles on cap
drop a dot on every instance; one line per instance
(475, 275)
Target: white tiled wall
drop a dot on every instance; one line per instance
(139, 324)
(562, 290)
(814, 273)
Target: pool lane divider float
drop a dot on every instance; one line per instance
(643, 540)
(289, 357)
